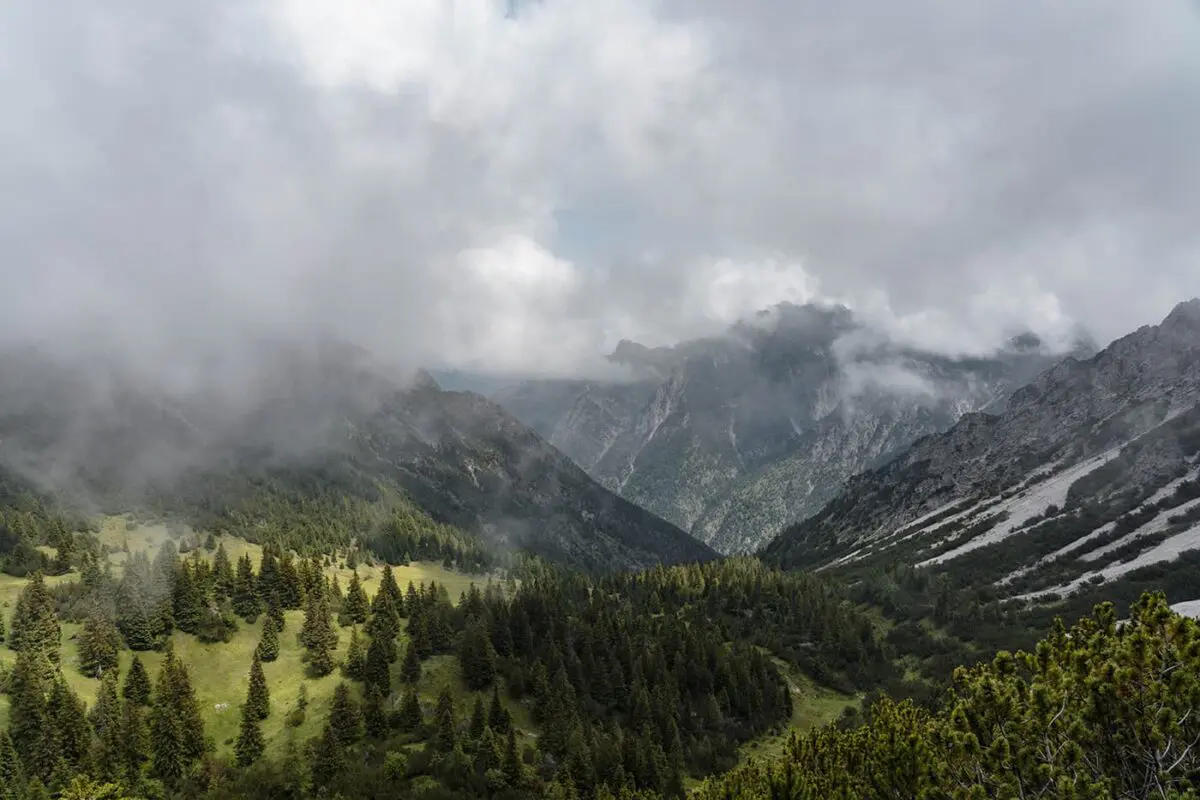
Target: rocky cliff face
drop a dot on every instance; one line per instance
(1088, 473)
(734, 437)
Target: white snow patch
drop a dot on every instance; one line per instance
(1028, 504)
(926, 517)
(1159, 523)
(1167, 550)
(1188, 608)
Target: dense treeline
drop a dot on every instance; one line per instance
(632, 682)
(1104, 710)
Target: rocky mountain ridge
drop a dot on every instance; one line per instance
(1091, 472)
(734, 437)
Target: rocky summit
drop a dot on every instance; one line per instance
(736, 436)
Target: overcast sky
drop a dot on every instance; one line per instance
(458, 182)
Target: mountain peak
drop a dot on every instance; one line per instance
(1186, 313)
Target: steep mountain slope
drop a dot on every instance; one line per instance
(736, 436)
(1091, 472)
(310, 420)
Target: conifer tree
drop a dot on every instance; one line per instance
(419, 635)
(137, 683)
(374, 717)
(106, 722)
(187, 600)
(477, 656)
(66, 716)
(443, 720)
(291, 590)
(511, 766)
(224, 579)
(384, 624)
(344, 717)
(176, 728)
(487, 752)
(411, 717)
(389, 587)
(258, 696)
(134, 741)
(245, 596)
(328, 759)
(499, 719)
(355, 666)
(34, 624)
(268, 644)
(27, 721)
(12, 775)
(410, 670)
(250, 745)
(318, 635)
(355, 607)
(478, 720)
(99, 644)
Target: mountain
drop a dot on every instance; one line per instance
(733, 437)
(307, 420)
(1090, 474)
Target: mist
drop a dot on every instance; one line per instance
(516, 187)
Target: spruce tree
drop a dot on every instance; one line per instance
(223, 575)
(328, 759)
(419, 635)
(99, 644)
(135, 745)
(384, 624)
(511, 766)
(388, 587)
(137, 683)
(34, 623)
(258, 697)
(106, 722)
(374, 717)
(244, 594)
(176, 728)
(478, 720)
(12, 775)
(355, 665)
(250, 745)
(268, 644)
(355, 608)
(499, 719)
(477, 656)
(318, 636)
(377, 671)
(66, 716)
(410, 718)
(187, 600)
(443, 720)
(344, 717)
(410, 670)
(27, 722)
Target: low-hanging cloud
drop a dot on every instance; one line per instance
(517, 185)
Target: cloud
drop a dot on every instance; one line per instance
(519, 184)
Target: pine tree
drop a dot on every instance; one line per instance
(373, 714)
(134, 741)
(327, 758)
(11, 773)
(514, 771)
(355, 608)
(99, 644)
(244, 595)
(411, 717)
(410, 670)
(223, 576)
(275, 611)
(499, 719)
(268, 644)
(250, 745)
(389, 587)
(419, 636)
(318, 636)
(258, 697)
(384, 624)
(477, 656)
(34, 623)
(66, 716)
(478, 720)
(106, 722)
(355, 666)
(137, 683)
(344, 717)
(291, 590)
(27, 720)
(443, 720)
(176, 728)
(187, 600)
